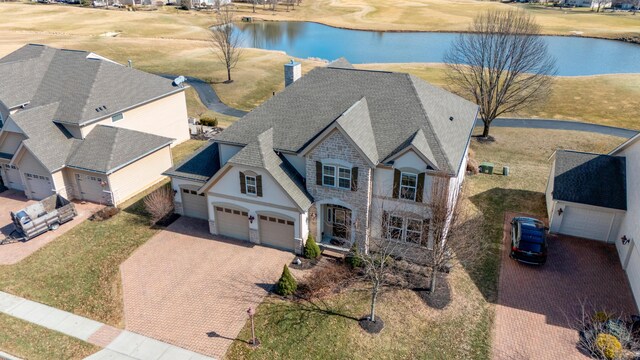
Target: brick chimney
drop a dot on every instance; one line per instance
(292, 72)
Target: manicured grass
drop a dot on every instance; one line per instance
(29, 341)
(197, 110)
(185, 149)
(327, 329)
(604, 99)
(79, 271)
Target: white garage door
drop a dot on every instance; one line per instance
(232, 223)
(586, 223)
(39, 186)
(276, 232)
(194, 205)
(92, 188)
(13, 180)
(633, 272)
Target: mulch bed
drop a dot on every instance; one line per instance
(167, 220)
(372, 327)
(442, 296)
(481, 139)
(305, 264)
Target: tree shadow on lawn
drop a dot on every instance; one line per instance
(493, 204)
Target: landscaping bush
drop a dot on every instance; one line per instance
(353, 259)
(600, 316)
(473, 166)
(328, 277)
(311, 248)
(208, 121)
(104, 213)
(608, 346)
(159, 204)
(287, 284)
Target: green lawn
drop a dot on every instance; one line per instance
(328, 330)
(29, 341)
(79, 271)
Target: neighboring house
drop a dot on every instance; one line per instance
(336, 155)
(597, 196)
(83, 126)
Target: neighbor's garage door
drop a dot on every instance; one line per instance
(586, 223)
(92, 188)
(13, 180)
(633, 272)
(232, 223)
(194, 205)
(39, 186)
(276, 232)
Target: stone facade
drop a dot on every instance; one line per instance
(338, 149)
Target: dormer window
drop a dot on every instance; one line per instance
(250, 183)
(408, 186)
(117, 117)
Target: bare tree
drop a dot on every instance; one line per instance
(226, 40)
(253, 5)
(501, 63)
(600, 4)
(456, 235)
(273, 4)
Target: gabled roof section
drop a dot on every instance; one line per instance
(398, 105)
(107, 149)
(419, 144)
(260, 154)
(340, 63)
(200, 166)
(591, 179)
(51, 144)
(356, 123)
(85, 87)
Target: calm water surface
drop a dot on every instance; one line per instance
(574, 55)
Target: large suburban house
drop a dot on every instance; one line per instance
(597, 197)
(337, 154)
(83, 126)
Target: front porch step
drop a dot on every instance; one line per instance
(333, 251)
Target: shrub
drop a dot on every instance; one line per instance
(287, 284)
(159, 203)
(353, 259)
(208, 121)
(600, 316)
(608, 346)
(327, 278)
(473, 166)
(311, 248)
(105, 213)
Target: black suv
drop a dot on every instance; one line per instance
(528, 241)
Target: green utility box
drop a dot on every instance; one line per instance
(486, 168)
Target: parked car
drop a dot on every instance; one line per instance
(528, 241)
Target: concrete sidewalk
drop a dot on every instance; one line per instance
(118, 344)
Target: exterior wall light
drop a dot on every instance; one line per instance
(251, 218)
(625, 240)
(560, 211)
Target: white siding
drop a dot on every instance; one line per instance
(630, 226)
(227, 151)
(10, 142)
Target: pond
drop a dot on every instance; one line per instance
(574, 55)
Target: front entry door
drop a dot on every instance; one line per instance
(339, 218)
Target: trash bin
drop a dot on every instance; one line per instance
(505, 170)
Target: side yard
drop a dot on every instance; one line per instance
(78, 272)
(329, 328)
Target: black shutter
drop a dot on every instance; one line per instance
(259, 185)
(243, 183)
(396, 183)
(385, 220)
(420, 187)
(318, 173)
(354, 179)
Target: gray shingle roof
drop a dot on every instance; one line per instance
(200, 166)
(356, 122)
(398, 104)
(592, 179)
(78, 81)
(340, 63)
(260, 154)
(106, 148)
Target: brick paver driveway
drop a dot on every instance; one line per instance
(537, 304)
(12, 200)
(190, 289)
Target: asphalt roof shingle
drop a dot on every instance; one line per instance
(398, 104)
(200, 166)
(592, 179)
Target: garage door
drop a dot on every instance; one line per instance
(276, 232)
(586, 223)
(633, 272)
(92, 188)
(39, 186)
(13, 180)
(232, 223)
(194, 205)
